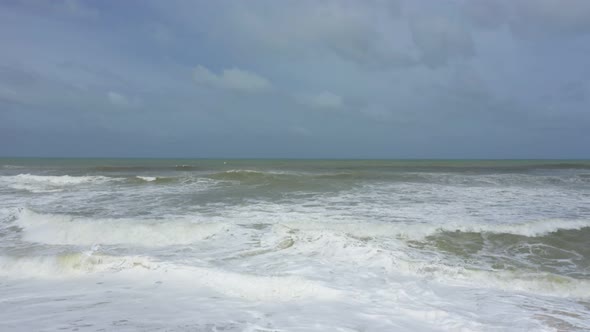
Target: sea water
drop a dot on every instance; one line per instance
(294, 245)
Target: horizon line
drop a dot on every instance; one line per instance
(301, 158)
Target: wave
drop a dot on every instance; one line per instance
(240, 285)
(306, 180)
(287, 179)
(485, 165)
(144, 168)
(421, 230)
(563, 165)
(51, 183)
(147, 178)
(278, 175)
(293, 180)
(159, 179)
(68, 230)
(186, 168)
(524, 281)
(260, 288)
(57, 180)
(56, 183)
(398, 259)
(384, 246)
(13, 166)
(70, 265)
(245, 175)
(122, 168)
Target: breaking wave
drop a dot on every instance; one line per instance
(159, 179)
(396, 258)
(449, 177)
(249, 175)
(70, 265)
(420, 231)
(524, 281)
(147, 178)
(68, 230)
(386, 246)
(57, 180)
(240, 285)
(51, 183)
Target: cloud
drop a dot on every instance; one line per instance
(324, 100)
(354, 31)
(486, 14)
(532, 19)
(377, 112)
(64, 8)
(75, 8)
(383, 72)
(162, 34)
(340, 26)
(232, 79)
(441, 39)
(121, 100)
(8, 95)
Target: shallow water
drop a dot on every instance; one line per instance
(294, 245)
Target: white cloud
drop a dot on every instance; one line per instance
(233, 79)
(121, 100)
(324, 100)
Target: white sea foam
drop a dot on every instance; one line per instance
(147, 178)
(61, 180)
(13, 166)
(64, 229)
(418, 231)
(397, 258)
(51, 183)
(531, 282)
(244, 171)
(246, 286)
(70, 265)
(370, 250)
(259, 288)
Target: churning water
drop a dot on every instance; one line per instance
(294, 245)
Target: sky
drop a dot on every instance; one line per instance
(295, 79)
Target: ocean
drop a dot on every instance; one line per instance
(294, 245)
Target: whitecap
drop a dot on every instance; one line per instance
(64, 229)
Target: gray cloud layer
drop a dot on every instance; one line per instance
(379, 79)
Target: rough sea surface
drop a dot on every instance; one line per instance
(294, 245)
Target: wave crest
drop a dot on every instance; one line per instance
(64, 229)
(70, 265)
(51, 183)
(420, 231)
(240, 285)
